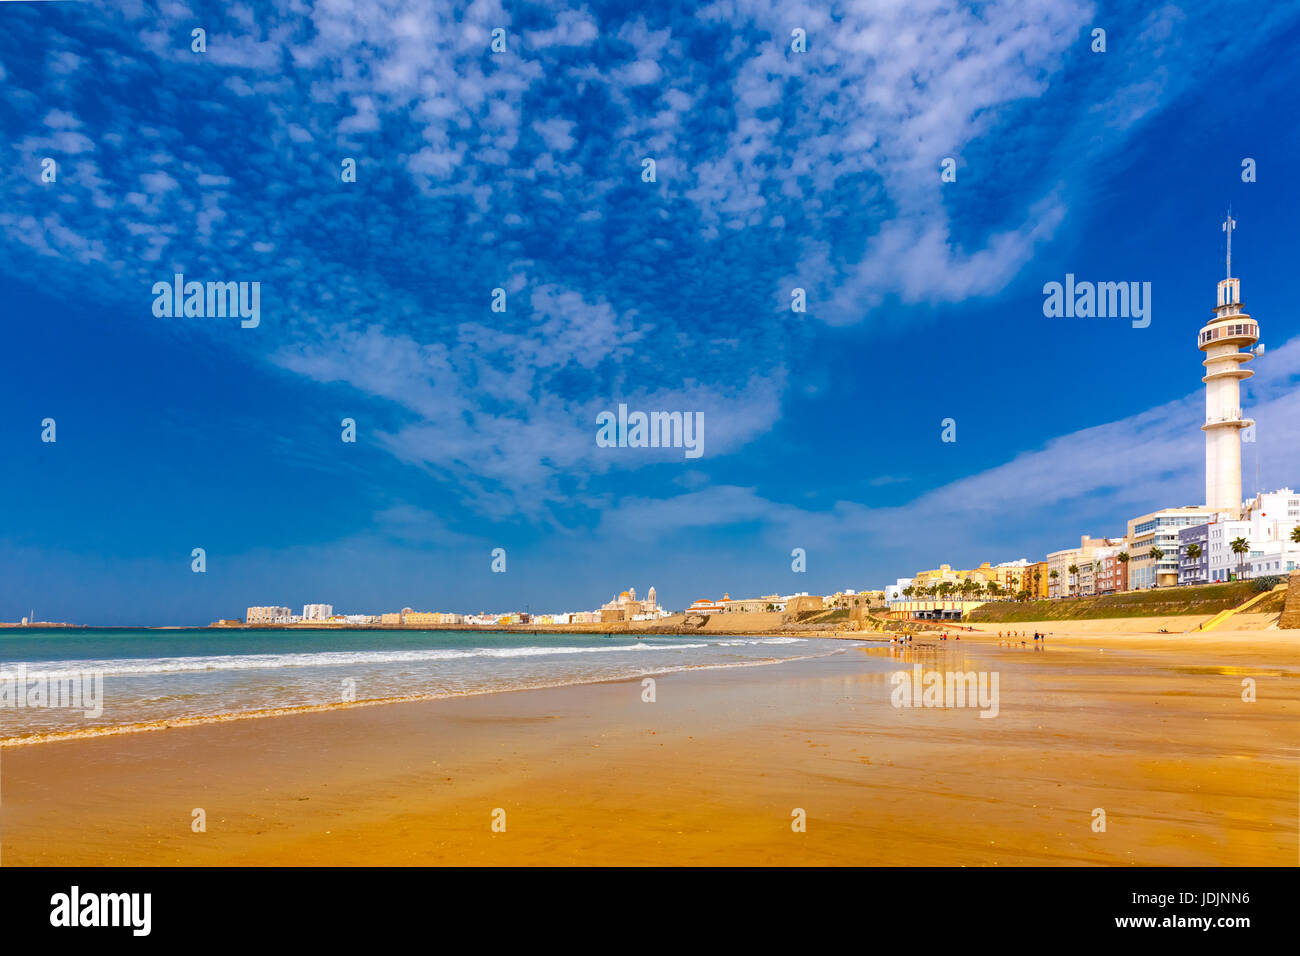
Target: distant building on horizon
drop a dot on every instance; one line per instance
(626, 607)
(268, 615)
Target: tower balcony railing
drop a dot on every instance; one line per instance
(1225, 331)
(1230, 417)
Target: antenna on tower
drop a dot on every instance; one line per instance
(1228, 225)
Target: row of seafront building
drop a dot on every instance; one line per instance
(788, 604)
(624, 607)
(408, 617)
(1165, 548)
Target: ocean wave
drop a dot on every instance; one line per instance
(62, 670)
(193, 720)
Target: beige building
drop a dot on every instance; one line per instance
(626, 607)
(420, 618)
(1065, 584)
(853, 599)
(768, 602)
(1008, 576)
(932, 609)
(1034, 580)
(268, 615)
(804, 602)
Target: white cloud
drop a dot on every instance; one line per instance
(556, 132)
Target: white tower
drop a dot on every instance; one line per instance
(1228, 331)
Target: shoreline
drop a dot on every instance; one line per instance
(117, 730)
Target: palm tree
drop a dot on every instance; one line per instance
(1054, 574)
(1122, 558)
(1156, 555)
(1194, 552)
(909, 591)
(1074, 572)
(1240, 547)
(995, 589)
(1295, 534)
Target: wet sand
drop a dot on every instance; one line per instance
(1150, 728)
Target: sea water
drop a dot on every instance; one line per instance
(152, 676)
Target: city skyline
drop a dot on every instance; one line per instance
(477, 430)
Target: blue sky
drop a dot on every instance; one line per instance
(522, 170)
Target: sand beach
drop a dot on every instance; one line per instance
(1152, 729)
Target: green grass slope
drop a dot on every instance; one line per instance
(1161, 602)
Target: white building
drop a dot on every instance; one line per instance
(894, 592)
(1222, 563)
(1271, 517)
(1274, 558)
(1221, 340)
(317, 612)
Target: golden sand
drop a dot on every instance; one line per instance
(1152, 729)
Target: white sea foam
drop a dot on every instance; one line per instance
(53, 670)
(187, 720)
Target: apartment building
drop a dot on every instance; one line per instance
(1159, 530)
(1067, 584)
